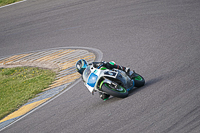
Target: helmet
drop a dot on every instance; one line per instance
(81, 66)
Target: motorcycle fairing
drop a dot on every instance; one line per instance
(92, 79)
(110, 73)
(125, 80)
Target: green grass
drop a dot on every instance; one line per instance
(18, 85)
(6, 2)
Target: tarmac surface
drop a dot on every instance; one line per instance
(158, 39)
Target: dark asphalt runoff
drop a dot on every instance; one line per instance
(158, 39)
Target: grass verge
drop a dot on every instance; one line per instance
(6, 2)
(18, 85)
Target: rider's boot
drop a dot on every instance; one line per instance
(103, 96)
(130, 73)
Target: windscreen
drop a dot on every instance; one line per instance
(86, 73)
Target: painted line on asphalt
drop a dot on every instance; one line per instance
(23, 110)
(13, 4)
(62, 59)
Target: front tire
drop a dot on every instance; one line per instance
(116, 92)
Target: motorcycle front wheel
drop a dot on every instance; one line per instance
(116, 92)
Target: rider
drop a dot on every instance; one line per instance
(82, 64)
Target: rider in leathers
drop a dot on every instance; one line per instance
(111, 65)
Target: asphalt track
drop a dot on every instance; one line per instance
(158, 39)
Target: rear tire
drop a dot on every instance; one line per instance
(111, 90)
(139, 80)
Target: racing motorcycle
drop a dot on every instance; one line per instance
(113, 82)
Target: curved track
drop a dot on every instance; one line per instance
(159, 39)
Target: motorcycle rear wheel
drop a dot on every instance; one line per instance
(139, 80)
(111, 90)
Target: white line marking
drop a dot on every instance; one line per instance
(13, 4)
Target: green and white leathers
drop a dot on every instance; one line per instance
(115, 82)
(112, 63)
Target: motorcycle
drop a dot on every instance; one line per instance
(113, 82)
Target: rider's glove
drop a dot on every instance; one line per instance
(104, 62)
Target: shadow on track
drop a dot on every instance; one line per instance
(147, 84)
